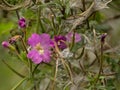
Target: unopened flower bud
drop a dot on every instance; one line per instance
(5, 44)
(103, 36)
(22, 23)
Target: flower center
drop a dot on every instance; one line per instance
(39, 48)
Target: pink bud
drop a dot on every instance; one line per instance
(103, 36)
(22, 23)
(5, 44)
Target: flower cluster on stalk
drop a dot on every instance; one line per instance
(41, 45)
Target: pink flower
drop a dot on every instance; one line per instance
(40, 51)
(60, 41)
(69, 37)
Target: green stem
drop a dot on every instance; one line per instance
(13, 69)
(101, 64)
(39, 22)
(73, 41)
(24, 45)
(18, 16)
(42, 27)
(59, 30)
(82, 53)
(30, 66)
(66, 66)
(35, 69)
(19, 56)
(25, 35)
(54, 26)
(55, 75)
(84, 8)
(82, 68)
(52, 12)
(16, 86)
(83, 3)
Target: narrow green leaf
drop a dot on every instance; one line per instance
(16, 86)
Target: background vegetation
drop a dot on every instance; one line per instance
(39, 15)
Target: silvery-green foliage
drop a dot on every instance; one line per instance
(101, 4)
(66, 53)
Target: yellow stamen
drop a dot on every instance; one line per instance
(39, 48)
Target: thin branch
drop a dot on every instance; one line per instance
(15, 7)
(86, 14)
(55, 76)
(12, 69)
(6, 3)
(83, 16)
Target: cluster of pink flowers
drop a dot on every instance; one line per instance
(41, 45)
